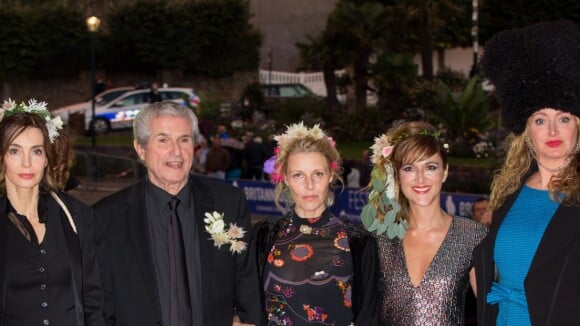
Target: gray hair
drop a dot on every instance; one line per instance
(142, 122)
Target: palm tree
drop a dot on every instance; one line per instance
(362, 26)
(318, 53)
(425, 17)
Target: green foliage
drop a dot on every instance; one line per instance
(212, 38)
(455, 80)
(40, 39)
(393, 75)
(307, 109)
(497, 15)
(364, 125)
(150, 32)
(465, 117)
(425, 95)
(209, 108)
(252, 93)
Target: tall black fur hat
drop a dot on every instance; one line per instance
(532, 68)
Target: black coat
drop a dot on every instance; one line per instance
(88, 296)
(363, 249)
(229, 281)
(552, 284)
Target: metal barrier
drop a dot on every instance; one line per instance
(105, 171)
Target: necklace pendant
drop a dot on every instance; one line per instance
(305, 229)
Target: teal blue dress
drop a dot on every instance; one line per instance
(517, 240)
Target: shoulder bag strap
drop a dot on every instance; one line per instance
(66, 211)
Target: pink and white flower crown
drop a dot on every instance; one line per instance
(294, 132)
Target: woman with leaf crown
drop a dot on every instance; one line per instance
(424, 253)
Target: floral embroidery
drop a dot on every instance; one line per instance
(316, 313)
(301, 252)
(346, 290)
(276, 308)
(285, 291)
(341, 241)
(215, 226)
(272, 257)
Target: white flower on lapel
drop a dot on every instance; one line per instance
(216, 227)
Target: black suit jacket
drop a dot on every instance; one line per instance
(86, 285)
(229, 281)
(553, 282)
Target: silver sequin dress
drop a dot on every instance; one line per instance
(439, 299)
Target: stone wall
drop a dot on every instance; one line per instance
(58, 92)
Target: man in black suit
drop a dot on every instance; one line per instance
(149, 277)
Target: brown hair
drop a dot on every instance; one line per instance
(59, 154)
(412, 141)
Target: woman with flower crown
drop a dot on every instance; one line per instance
(424, 253)
(48, 274)
(314, 268)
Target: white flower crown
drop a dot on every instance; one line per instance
(53, 124)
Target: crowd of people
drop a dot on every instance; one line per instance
(179, 249)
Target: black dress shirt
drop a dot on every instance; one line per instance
(38, 290)
(157, 201)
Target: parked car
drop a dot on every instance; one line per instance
(286, 91)
(120, 112)
(100, 100)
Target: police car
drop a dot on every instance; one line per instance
(120, 112)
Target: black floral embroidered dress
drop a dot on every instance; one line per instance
(308, 274)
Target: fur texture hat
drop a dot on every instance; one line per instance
(532, 68)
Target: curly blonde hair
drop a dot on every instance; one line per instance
(518, 163)
(315, 142)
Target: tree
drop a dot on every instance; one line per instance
(362, 26)
(498, 15)
(316, 54)
(424, 19)
(393, 76)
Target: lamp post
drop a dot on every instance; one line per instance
(93, 23)
(269, 71)
(474, 35)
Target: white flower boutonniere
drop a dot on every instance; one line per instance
(216, 227)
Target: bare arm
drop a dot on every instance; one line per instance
(237, 322)
(472, 281)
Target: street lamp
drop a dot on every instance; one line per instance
(93, 23)
(474, 34)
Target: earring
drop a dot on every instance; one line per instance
(329, 200)
(531, 152)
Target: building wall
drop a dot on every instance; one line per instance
(283, 23)
(456, 59)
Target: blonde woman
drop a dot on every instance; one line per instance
(528, 265)
(314, 268)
